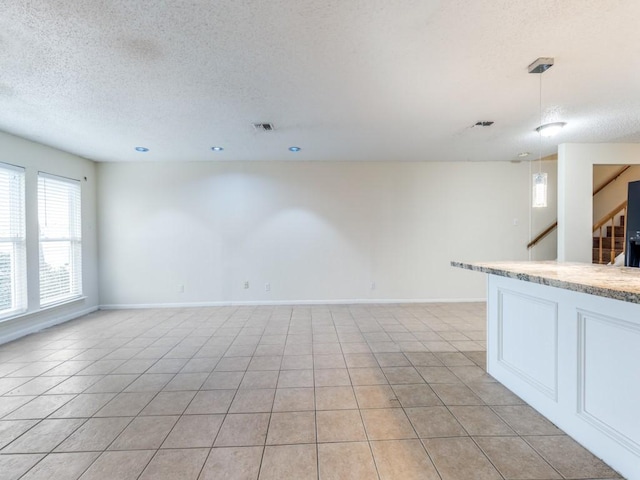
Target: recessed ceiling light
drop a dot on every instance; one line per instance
(217, 149)
(294, 149)
(550, 129)
(523, 154)
(142, 149)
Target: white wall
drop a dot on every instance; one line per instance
(314, 231)
(575, 192)
(35, 157)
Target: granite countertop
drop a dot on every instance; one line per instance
(620, 283)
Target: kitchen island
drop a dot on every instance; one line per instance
(566, 338)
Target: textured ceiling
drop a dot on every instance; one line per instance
(342, 79)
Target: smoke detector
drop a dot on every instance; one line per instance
(263, 127)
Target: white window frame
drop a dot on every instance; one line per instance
(15, 241)
(72, 235)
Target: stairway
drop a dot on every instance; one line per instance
(607, 241)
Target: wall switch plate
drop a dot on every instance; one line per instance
(373, 285)
(267, 287)
(180, 288)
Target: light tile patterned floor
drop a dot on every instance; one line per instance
(329, 392)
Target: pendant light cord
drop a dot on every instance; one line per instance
(529, 252)
(540, 131)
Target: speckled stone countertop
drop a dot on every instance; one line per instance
(620, 283)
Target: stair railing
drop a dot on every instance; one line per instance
(554, 225)
(604, 222)
(543, 234)
(611, 179)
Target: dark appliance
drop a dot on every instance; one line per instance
(632, 254)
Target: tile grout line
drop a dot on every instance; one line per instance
(266, 434)
(401, 406)
(364, 427)
(315, 402)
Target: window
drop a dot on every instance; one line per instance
(60, 239)
(13, 255)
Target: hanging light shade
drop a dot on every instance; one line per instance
(550, 129)
(539, 190)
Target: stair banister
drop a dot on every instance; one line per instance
(610, 217)
(543, 234)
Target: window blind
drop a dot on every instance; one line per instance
(59, 220)
(13, 257)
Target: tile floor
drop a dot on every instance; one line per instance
(328, 392)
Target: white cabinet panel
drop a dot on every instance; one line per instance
(609, 376)
(528, 339)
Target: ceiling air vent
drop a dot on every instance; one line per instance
(263, 127)
(485, 123)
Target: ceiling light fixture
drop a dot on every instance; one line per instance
(541, 65)
(142, 149)
(294, 149)
(217, 149)
(550, 129)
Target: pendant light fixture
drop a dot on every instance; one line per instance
(539, 186)
(550, 129)
(539, 190)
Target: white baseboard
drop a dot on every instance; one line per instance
(45, 323)
(289, 302)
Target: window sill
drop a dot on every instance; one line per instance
(12, 315)
(26, 313)
(61, 303)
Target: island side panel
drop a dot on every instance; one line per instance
(575, 358)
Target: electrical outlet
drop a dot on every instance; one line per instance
(246, 285)
(180, 288)
(516, 222)
(373, 285)
(267, 287)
